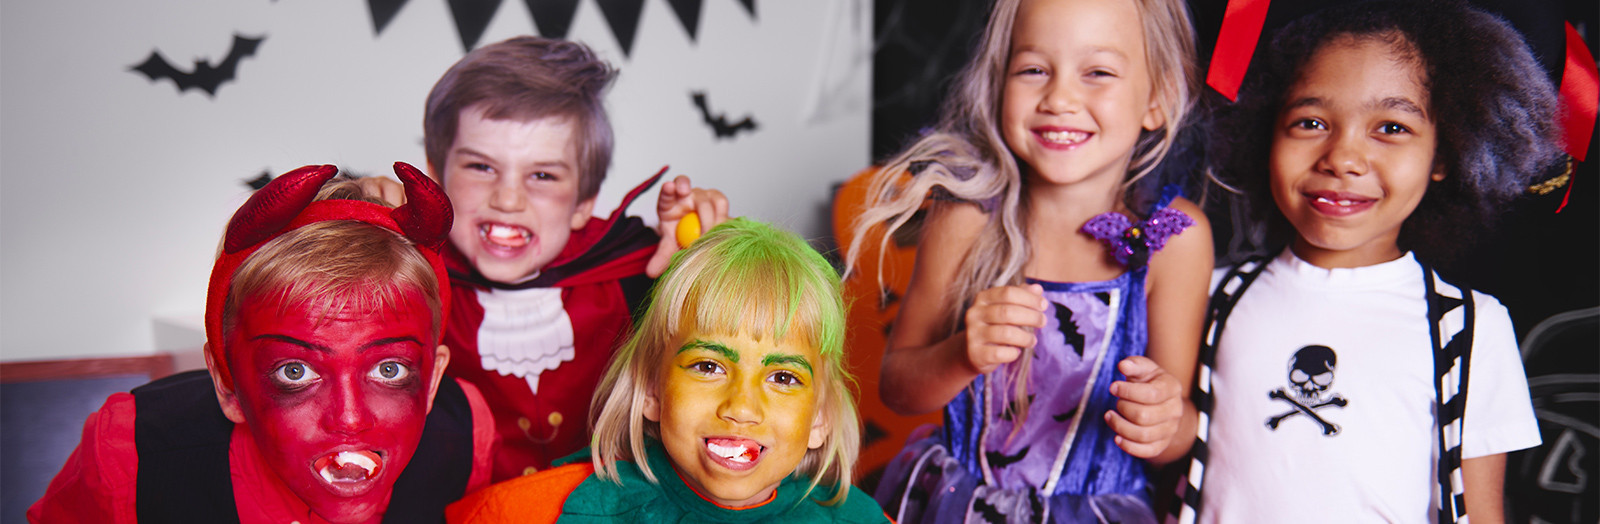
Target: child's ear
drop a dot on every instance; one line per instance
(652, 407)
(821, 427)
(229, 400)
(580, 216)
(1155, 117)
(441, 360)
(1438, 172)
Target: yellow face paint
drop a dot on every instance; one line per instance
(737, 414)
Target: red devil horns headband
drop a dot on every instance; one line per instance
(289, 202)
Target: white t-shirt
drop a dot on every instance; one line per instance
(1350, 346)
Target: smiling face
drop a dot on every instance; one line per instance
(1352, 152)
(1077, 89)
(514, 186)
(335, 400)
(737, 414)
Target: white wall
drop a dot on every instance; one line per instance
(114, 189)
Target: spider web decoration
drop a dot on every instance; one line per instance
(918, 48)
(552, 18)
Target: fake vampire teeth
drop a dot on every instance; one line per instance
(349, 466)
(734, 450)
(1064, 137)
(505, 235)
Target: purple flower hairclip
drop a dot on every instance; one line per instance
(1133, 243)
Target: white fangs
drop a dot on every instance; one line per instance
(504, 233)
(331, 474)
(504, 236)
(1065, 137)
(733, 453)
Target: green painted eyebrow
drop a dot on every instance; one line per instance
(785, 358)
(713, 347)
(733, 356)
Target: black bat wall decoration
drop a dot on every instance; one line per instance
(205, 76)
(719, 123)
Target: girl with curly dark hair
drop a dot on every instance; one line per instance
(1374, 138)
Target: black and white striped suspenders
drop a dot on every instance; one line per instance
(1450, 305)
(1450, 366)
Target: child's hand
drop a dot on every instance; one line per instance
(386, 188)
(1149, 409)
(1001, 323)
(679, 198)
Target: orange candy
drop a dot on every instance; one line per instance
(688, 229)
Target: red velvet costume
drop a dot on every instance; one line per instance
(599, 277)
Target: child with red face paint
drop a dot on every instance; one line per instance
(323, 324)
(730, 403)
(517, 134)
(1349, 377)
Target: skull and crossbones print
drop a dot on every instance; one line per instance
(1310, 375)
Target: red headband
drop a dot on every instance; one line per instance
(286, 204)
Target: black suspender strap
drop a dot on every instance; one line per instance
(1451, 362)
(1223, 298)
(438, 472)
(182, 438)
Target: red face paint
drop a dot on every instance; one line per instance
(335, 399)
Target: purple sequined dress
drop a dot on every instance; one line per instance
(1059, 463)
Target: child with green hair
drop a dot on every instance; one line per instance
(730, 402)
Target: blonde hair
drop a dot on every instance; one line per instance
(333, 265)
(742, 277)
(966, 158)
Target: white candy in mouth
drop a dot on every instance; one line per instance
(734, 453)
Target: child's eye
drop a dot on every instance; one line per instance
(705, 367)
(1100, 73)
(1308, 124)
(785, 378)
(1392, 128)
(542, 175)
(390, 371)
(479, 166)
(294, 375)
(1030, 70)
